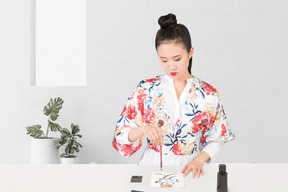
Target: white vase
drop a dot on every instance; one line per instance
(71, 160)
(44, 151)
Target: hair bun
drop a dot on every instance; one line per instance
(168, 20)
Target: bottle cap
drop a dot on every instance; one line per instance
(222, 168)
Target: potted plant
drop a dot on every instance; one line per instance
(70, 140)
(43, 149)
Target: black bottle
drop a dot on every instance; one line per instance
(222, 179)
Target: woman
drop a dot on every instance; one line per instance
(175, 110)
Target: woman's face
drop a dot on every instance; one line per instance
(174, 59)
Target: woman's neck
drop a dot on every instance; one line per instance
(182, 80)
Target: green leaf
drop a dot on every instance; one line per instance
(76, 149)
(78, 144)
(67, 149)
(77, 131)
(54, 126)
(78, 135)
(63, 155)
(66, 131)
(57, 141)
(71, 150)
(67, 155)
(65, 136)
(75, 128)
(53, 108)
(34, 131)
(70, 143)
(60, 142)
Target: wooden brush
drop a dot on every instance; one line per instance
(160, 124)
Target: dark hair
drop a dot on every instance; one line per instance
(171, 30)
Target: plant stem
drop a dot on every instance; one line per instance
(68, 144)
(47, 132)
(47, 129)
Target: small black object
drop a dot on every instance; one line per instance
(136, 179)
(222, 168)
(136, 191)
(222, 179)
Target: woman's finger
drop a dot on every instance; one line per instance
(198, 173)
(184, 169)
(155, 137)
(187, 171)
(160, 136)
(194, 173)
(202, 171)
(149, 136)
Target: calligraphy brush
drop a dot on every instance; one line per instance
(160, 124)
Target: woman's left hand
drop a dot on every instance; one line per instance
(196, 166)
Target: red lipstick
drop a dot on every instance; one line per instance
(173, 73)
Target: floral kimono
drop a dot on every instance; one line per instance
(202, 121)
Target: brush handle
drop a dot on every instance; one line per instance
(160, 124)
(161, 157)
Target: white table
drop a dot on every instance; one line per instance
(242, 177)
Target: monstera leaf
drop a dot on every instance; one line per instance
(54, 126)
(34, 131)
(53, 108)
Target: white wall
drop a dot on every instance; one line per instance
(240, 48)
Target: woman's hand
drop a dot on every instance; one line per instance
(154, 134)
(196, 166)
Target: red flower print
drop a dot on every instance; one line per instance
(131, 112)
(132, 95)
(141, 107)
(177, 122)
(197, 123)
(114, 144)
(127, 150)
(123, 111)
(141, 96)
(197, 127)
(203, 139)
(150, 80)
(149, 115)
(202, 120)
(208, 88)
(154, 147)
(224, 131)
(176, 150)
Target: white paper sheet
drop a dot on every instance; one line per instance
(161, 179)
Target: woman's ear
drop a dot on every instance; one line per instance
(191, 52)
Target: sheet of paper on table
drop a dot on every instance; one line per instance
(167, 180)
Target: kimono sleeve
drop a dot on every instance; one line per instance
(218, 131)
(131, 117)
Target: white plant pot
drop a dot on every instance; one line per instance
(66, 160)
(44, 151)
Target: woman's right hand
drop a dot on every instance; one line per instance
(154, 134)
